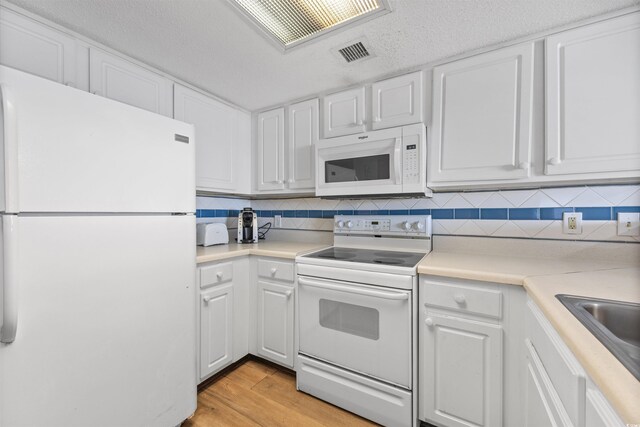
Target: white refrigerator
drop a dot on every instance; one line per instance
(97, 289)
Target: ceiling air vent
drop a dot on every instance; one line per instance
(354, 52)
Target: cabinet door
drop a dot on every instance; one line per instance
(397, 101)
(482, 114)
(216, 329)
(271, 150)
(275, 322)
(123, 81)
(303, 135)
(461, 372)
(216, 133)
(37, 49)
(593, 98)
(343, 113)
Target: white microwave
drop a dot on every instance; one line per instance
(383, 162)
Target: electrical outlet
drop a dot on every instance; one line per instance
(572, 222)
(277, 221)
(628, 223)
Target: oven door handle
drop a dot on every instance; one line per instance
(353, 290)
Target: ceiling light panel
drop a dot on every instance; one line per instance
(292, 22)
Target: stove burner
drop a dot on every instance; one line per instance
(393, 254)
(338, 256)
(388, 261)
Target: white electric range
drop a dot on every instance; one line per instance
(357, 302)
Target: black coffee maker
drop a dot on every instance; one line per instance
(247, 226)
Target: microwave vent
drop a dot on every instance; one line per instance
(354, 52)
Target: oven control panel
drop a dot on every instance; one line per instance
(388, 225)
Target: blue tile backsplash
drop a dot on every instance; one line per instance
(533, 213)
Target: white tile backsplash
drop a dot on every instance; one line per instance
(568, 197)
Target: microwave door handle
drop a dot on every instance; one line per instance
(398, 161)
(352, 290)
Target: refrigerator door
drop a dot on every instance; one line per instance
(65, 150)
(106, 322)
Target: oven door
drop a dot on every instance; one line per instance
(368, 163)
(363, 328)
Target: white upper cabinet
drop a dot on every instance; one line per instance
(343, 113)
(216, 134)
(482, 117)
(593, 98)
(37, 49)
(397, 101)
(271, 150)
(121, 80)
(302, 137)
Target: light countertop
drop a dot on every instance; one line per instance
(510, 270)
(543, 279)
(278, 249)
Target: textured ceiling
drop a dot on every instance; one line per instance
(206, 43)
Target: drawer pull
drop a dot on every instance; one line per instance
(288, 294)
(459, 298)
(219, 275)
(428, 321)
(274, 271)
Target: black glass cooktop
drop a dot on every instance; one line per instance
(369, 256)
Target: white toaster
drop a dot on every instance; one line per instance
(211, 233)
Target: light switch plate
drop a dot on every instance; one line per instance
(277, 221)
(628, 223)
(572, 222)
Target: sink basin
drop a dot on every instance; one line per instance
(615, 323)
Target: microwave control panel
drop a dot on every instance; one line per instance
(411, 162)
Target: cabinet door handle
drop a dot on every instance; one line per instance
(428, 321)
(524, 165)
(459, 298)
(274, 271)
(377, 119)
(291, 181)
(280, 181)
(288, 294)
(359, 122)
(207, 299)
(555, 161)
(219, 275)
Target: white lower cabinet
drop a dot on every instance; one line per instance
(216, 329)
(463, 370)
(222, 312)
(275, 311)
(275, 322)
(557, 390)
(461, 354)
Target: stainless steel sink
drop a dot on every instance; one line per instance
(615, 323)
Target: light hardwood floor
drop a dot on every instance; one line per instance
(258, 394)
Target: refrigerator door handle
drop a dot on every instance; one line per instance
(10, 152)
(9, 279)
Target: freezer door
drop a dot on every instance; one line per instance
(66, 150)
(106, 330)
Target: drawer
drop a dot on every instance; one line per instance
(562, 368)
(468, 299)
(278, 270)
(216, 274)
